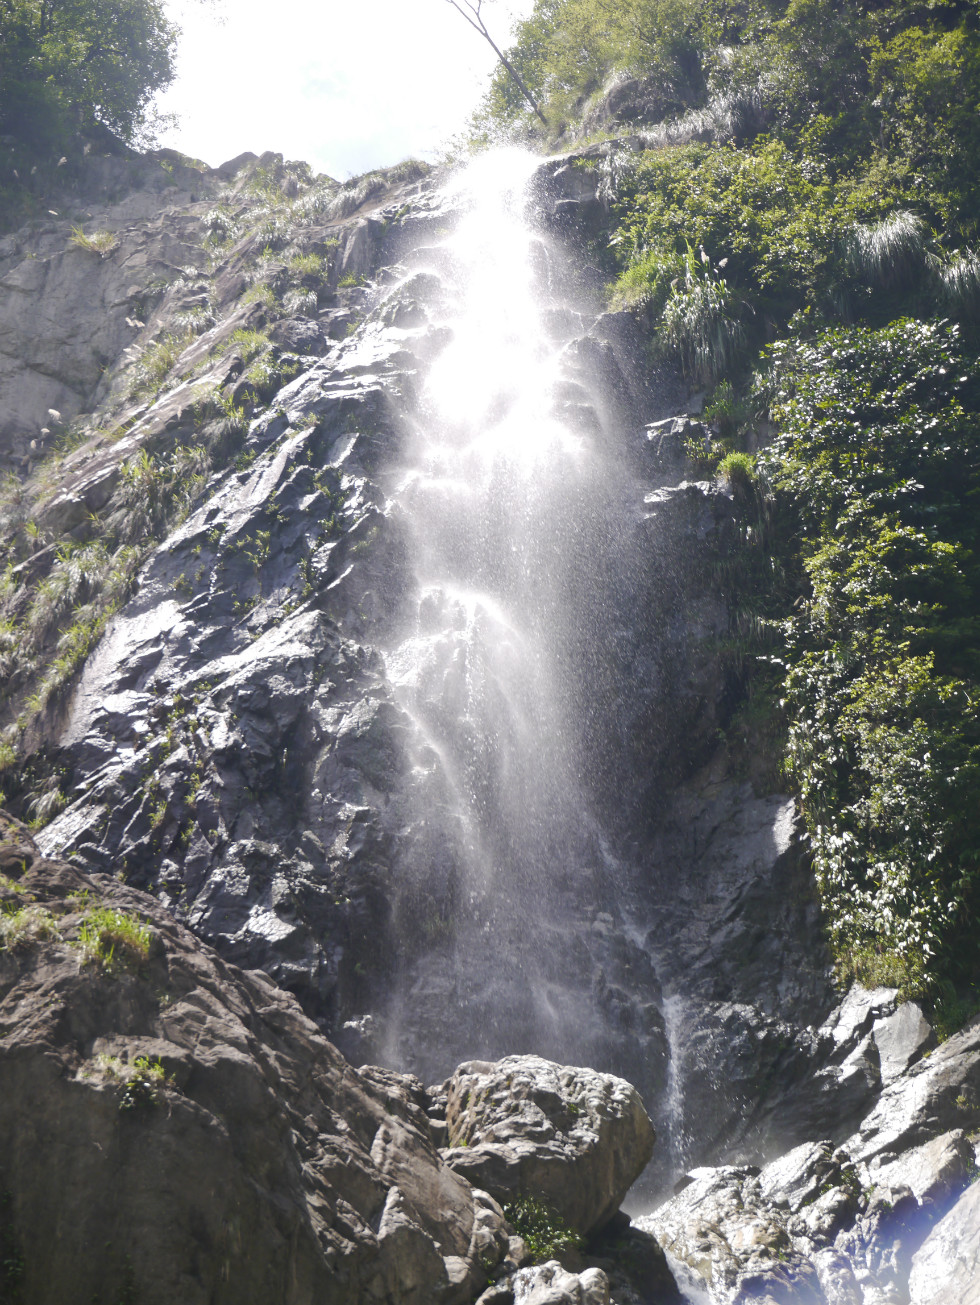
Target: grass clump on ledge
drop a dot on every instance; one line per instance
(26, 925)
(112, 940)
(96, 242)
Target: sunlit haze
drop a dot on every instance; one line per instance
(346, 87)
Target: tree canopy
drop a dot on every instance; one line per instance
(68, 65)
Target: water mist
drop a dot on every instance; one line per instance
(514, 501)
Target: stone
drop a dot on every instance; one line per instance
(902, 1039)
(934, 1172)
(550, 1284)
(946, 1268)
(249, 1160)
(575, 1138)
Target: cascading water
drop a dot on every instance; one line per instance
(515, 504)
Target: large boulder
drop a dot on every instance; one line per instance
(175, 1129)
(572, 1138)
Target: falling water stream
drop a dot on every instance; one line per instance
(516, 508)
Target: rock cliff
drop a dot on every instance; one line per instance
(216, 574)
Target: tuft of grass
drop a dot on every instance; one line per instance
(304, 267)
(959, 285)
(699, 321)
(738, 469)
(96, 242)
(143, 1084)
(112, 940)
(875, 967)
(890, 252)
(158, 361)
(300, 303)
(26, 925)
(246, 343)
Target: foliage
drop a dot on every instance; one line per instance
(157, 362)
(737, 468)
(143, 1084)
(69, 65)
(700, 321)
(566, 50)
(247, 343)
(877, 455)
(97, 242)
(112, 940)
(25, 925)
(545, 1233)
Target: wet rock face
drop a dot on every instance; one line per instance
(172, 1103)
(236, 740)
(576, 1138)
(241, 740)
(882, 1217)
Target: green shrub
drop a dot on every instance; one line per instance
(738, 469)
(546, 1235)
(728, 411)
(143, 1084)
(876, 462)
(248, 344)
(700, 322)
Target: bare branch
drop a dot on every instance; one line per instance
(470, 9)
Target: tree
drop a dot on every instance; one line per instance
(68, 65)
(470, 9)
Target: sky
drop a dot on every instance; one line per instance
(346, 85)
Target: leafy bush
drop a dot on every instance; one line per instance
(545, 1233)
(878, 457)
(77, 63)
(143, 1084)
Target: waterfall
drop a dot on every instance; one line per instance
(515, 502)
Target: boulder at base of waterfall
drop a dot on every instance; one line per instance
(574, 1139)
(550, 1284)
(174, 1129)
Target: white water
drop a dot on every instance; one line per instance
(513, 505)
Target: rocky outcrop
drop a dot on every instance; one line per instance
(160, 1098)
(576, 1139)
(176, 1129)
(869, 1219)
(947, 1265)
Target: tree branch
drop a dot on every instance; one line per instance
(471, 12)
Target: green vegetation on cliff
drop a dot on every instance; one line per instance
(801, 231)
(876, 472)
